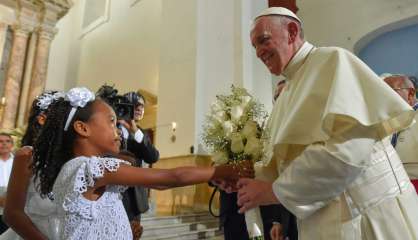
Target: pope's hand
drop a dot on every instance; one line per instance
(253, 193)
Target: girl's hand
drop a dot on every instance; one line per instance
(24, 153)
(246, 169)
(234, 171)
(225, 172)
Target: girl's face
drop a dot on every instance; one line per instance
(103, 133)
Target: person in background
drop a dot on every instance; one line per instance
(406, 141)
(129, 109)
(28, 215)
(6, 163)
(137, 142)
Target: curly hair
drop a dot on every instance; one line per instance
(54, 146)
(34, 127)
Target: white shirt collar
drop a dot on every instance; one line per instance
(297, 60)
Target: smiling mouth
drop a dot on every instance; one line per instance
(266, 59)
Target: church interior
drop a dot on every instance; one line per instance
(179, 54)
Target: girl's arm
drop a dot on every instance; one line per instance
(168, 178)
(14, 214)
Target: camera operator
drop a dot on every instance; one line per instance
(129, 108)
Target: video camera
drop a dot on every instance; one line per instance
(122, 106)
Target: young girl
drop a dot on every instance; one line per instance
(86, 186)
(28, 215)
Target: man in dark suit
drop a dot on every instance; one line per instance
(137, 142)
(234, 226)
(232, 222)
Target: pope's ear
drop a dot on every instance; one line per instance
(293, 30)
(81, 128)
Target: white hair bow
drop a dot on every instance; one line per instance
(46, 98)
(78, 97)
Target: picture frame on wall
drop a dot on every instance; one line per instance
(95, 13)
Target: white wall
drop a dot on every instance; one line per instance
(124, 50)
(344, 23)
(176, 94)
(225, 55)
(65, 51)
(216, 57)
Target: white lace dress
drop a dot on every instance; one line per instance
(42, 213)
(102, 219)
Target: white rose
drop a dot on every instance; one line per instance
(250, 129)
(245, 100)
(216, 106)
(228, 128)
(253, 147)
(220, 116)
(237, 145)
(236, 113)
(220, 158)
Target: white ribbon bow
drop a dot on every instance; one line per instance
(46, 98)
(78, 97)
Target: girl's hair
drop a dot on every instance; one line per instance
(54, 146)
(34, 127)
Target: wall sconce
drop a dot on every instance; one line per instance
(2, 105)
(173, 131)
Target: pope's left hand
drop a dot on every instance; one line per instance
(253, 193)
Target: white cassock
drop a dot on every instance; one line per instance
(407, 148)
(326, 156)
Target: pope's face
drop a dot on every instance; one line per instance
(272, 44)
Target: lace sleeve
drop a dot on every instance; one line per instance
(93, 169)
(77, 176)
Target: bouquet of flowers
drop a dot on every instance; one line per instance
(234, 129)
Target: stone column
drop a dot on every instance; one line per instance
(40, 65)
(14, 75)
(3, 36)
(24, 106)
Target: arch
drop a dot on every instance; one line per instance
(368, 37)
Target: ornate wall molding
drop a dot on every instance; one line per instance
(35, 18)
